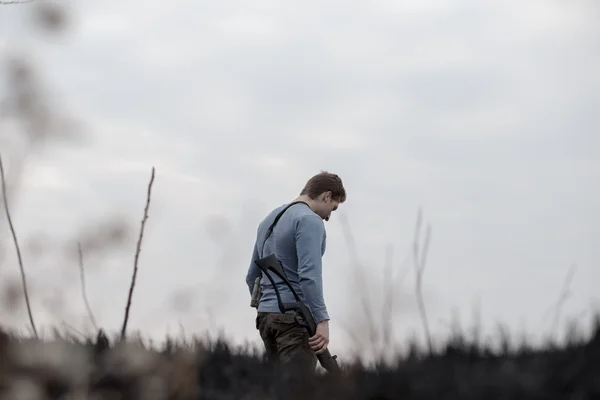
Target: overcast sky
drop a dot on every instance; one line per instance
(485, 114)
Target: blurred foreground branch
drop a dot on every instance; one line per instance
(83, 290)
(362, 280)
(419, 263)
(13, 2)
(387, 308)
(556, 309)
(565, 293)
(137, 256)
(14, 235)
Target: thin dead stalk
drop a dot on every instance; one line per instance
(387, 309)
(83, 289)
(419, 263)
(137, 255)
(68, 329)
(351, 332)
(363, 281)
(13, 2)
(392, 284)
(565, 293)
(14, 235)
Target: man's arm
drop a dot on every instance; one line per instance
(310, 233)
(253, 270)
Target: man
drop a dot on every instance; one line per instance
(298, 240)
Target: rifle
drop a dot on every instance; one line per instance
(272, 263)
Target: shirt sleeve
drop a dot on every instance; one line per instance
(310, 233)
(253, 270)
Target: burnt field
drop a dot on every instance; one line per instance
(99, 368)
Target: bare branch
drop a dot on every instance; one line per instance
(83, 290)
(68, 328)
(564, 296)
(347, 328)
(387, 309)
(419, 263)
(416, 239)
(399, 280)
(137, 255)
(14, 2)
(351, 244)
(14, 235)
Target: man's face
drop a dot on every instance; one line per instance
(328, 205)
(332, 206)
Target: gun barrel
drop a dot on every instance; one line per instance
(326, 360)
(329, 362)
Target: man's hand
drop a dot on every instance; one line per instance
(319, 342)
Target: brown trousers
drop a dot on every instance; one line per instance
(285, 340)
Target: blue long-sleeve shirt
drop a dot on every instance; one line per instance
(299, 241)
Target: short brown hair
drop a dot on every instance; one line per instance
(324, 182)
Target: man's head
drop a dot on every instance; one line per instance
(324, 192)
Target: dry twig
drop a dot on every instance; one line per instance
(387, 309)
(562, 299)
(83, 290)
(14, 235)
(14, 2)
(419, 263)
(363, 281)
(137, 255)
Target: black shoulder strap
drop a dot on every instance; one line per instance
(270, 230)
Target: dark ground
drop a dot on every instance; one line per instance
(31, 369)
